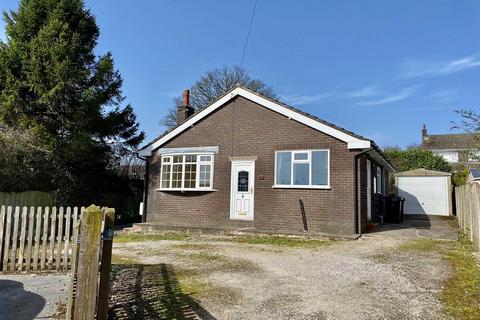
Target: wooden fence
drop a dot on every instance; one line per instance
(27, 198)
(41, 238)
(467, 198)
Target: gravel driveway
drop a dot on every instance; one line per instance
(207, 278)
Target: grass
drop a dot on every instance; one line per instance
(140, 237)
(461, 293)
(281, 241)
(122, 259)
(425, 245)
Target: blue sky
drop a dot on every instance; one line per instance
(378, 68)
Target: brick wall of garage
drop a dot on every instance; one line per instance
(243, 128)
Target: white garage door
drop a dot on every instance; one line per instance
(424, 195)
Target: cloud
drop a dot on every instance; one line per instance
(365, 92)
(442, 95)
(393, 97)
(298, 100)
(417, 68)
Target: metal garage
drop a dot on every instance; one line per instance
(426, 192)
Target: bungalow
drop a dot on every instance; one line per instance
(250, 162)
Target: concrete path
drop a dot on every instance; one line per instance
(27, 297)
(436, 228)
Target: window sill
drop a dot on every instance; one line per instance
(186, 190)
(302, 187)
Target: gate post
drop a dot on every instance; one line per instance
(87, 272)
(106, 264)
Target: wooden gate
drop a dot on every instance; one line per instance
(38, 239)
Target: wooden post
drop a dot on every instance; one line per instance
(15, 239)
(73, 277)
(2, 234)
(43, 255)
(23, 232)
(87, 274)
(58, 257)
(31, 220)
(66, 248)
(106, 264)
(51, 250)
(6, 246)
(38, 228)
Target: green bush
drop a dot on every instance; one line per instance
(417, 158)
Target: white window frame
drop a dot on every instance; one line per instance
(378, 186)
(197, 178)
(309, 161)
(473, 155)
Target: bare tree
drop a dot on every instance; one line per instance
(214, 84)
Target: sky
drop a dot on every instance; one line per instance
(378, 68)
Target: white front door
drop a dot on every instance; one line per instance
(369, 190)
(242, 190)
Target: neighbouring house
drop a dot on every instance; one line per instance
(455, 148)
(426, 192)
(252, 163)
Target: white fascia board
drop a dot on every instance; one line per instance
(359, 144)
(212, 149)
(353, 142)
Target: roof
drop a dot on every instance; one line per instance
(475, 173)
(457, 141)
(354, 141)
(422, 172)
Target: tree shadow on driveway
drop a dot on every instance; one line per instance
(150, 292)
(18, 304)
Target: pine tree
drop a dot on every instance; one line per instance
(53, 84)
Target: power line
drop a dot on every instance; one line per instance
(248, 34)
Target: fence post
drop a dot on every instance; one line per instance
(106, 264)
(87, 274)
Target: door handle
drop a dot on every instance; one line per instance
(251, 189)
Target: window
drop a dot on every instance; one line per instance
(302, 169)
(186, 172)
(242, 181)
(473, 155)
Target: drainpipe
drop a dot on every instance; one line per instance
(356, 214)
(145, 186)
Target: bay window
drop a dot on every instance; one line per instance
(302, 169)
(187, 172)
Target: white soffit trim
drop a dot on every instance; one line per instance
(213, 149)
(352, 142)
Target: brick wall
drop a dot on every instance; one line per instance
(242, 128)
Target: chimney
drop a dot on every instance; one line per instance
(184, 111)
(424, 133)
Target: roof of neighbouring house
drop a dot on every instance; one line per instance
(475, 173)
(422, 172)
(459, 141)
(238, 90)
